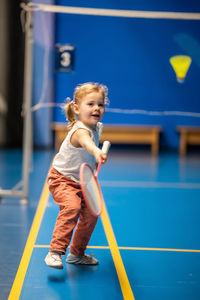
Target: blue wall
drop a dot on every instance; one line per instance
(131, 56)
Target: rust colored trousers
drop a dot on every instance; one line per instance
(73, 213)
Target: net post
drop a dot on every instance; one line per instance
(27, 101)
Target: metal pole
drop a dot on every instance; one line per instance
(27, 102)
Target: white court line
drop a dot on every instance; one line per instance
(151, 184)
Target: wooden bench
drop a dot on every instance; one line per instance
(189, 135)
(119, 134)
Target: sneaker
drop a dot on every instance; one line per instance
(53, 259)
(81, 260)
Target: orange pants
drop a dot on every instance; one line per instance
(73, 211)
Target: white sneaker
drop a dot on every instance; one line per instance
(53, 259)
(81, 260)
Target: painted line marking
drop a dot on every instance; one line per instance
(119, 266)
(151, 184)
(88, 247)
(159, 249)
(21, 273)
(134, 248)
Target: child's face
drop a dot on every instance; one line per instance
(91, 109)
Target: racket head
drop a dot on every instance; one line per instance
(91, 190)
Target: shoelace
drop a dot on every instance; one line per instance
(55, 257)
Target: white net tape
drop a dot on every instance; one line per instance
(127, 111)
(113, 12)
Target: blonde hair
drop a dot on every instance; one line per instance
(81, 91)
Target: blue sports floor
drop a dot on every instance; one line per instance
(147, 239)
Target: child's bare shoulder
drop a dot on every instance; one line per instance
(78, 136)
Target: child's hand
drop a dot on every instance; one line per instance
(100, 156)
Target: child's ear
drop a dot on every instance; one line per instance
(76, 109)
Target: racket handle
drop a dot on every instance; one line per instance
(106, 147)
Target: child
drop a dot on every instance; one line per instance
(79, 146)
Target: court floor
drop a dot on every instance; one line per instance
(147, 239)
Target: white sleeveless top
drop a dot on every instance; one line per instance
(69, 158)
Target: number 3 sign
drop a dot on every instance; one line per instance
(65, 58)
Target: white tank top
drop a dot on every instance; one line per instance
(69, 158)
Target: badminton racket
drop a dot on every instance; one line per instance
(90, 186)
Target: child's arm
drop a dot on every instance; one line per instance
(82, 138)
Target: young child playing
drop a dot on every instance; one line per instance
(79, 146)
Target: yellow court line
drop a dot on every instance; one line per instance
(159, 249)
(19, 279)
(134, 248)
(119, 266)
(89, 247)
